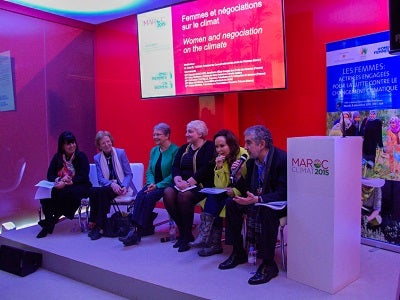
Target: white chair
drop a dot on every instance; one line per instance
(20, 169)
(137, 179)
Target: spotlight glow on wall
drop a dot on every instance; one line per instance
(78, 6)
(94, 11)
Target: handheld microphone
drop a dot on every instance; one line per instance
(243, 158)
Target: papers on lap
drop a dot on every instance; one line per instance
(276, 205)
(44, 189)
(187, 189)
(213, 191)
(45, 184)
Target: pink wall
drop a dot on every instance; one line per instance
(52, 66)
(300, 110)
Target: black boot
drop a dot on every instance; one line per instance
(132, 228)
(42, 233)
(47, 227)
(132, 238)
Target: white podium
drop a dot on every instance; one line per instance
(324, 211)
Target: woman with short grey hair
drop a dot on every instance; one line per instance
(193, 169)
(158, 177)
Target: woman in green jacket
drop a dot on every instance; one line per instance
(158, 177)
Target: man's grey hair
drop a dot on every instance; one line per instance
(260, 133)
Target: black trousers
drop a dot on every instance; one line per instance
(100, 203)
(64, 201)
(269, 221)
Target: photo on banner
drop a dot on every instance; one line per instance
(363, 99)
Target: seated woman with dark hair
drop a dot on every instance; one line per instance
(158, 177)
(193, 168)
(210, 230)
(115, 178)
(69, 169)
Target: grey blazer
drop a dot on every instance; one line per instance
(123, 159)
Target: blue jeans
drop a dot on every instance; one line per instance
(214, 205)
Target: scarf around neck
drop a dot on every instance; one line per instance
(116, 165)
(68, 167)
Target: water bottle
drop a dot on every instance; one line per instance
(172, 231)
(252, 259)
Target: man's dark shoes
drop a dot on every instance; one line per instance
(264, 274)
(236, 258)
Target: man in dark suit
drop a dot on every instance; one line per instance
(265, 181)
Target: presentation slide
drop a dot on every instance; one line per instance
(205, 47)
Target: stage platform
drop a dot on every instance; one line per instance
(155, 270)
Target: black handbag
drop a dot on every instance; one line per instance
(117, 225)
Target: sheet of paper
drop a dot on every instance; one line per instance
(213, 191)
(276, 205)
(187, 189)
